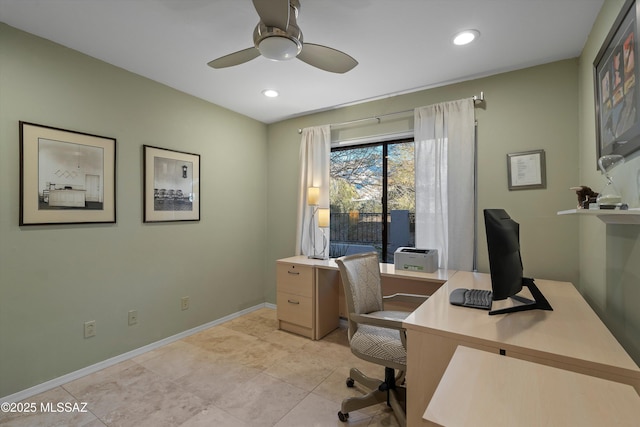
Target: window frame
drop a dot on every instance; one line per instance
(385, 184)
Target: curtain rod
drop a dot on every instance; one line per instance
(475, 98)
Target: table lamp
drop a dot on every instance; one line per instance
(313, 200)
(323, 222)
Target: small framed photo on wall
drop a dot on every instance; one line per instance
(66, 177)
(526, 170)
(171, 185)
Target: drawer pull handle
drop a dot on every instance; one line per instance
(296, 273)
(293, 302)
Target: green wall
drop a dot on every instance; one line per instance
(550, 107)
(528, 109)
(609, 254)
(54, 278)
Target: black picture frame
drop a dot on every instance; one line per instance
(66, 177)
(617, 86)
(171, 182)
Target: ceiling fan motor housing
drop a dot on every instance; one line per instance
(276, 44)
(280, 44)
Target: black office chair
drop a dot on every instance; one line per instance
(375, 335)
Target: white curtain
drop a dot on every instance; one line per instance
(315, 151)
(445, 181)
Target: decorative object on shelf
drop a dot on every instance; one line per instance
(619, 207)
(171, 183)
(586, 196)
(616, 80)
(526, 170)
(609, 197)
(83, 167)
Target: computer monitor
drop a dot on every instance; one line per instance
(505, 264)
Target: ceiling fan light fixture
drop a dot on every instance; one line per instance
(465, 37)
(279, 48)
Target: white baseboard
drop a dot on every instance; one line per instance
(48, 385)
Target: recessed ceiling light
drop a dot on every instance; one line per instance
(270, 93)
(465, 37)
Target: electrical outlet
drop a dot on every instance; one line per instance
(184, 303)
(89, 328)
(133, 317)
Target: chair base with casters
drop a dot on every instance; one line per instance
(391, 391)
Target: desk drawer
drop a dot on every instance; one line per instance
(295, 279)
(295, 309)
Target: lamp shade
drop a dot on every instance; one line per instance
(313, 196)
(323, 217)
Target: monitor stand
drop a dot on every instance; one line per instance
(539, 301)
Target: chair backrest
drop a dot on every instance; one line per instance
(360, 275)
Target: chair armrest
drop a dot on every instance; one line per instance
(385, 322)
(410, 298)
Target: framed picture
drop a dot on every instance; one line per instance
(527, 170)
(616, 87)
(171, 185)
(66, 177)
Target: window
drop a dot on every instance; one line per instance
(368, 183)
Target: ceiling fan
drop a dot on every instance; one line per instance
(277, 37)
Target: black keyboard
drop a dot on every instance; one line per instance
(475, 298)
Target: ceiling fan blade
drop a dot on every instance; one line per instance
(273, 13)
(326, 58)
(235, 58)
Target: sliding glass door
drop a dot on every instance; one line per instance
(372, 198)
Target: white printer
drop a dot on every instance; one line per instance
(414, 259)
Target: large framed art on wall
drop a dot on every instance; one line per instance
(66, 177)
(171, 185)
(617, 86)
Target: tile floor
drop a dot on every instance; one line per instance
(244, 372)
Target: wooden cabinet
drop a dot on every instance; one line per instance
(307, 305)
(295, 284)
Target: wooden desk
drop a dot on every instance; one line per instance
(571, 337)
(392, 280)
(484, 389)
(310, 297)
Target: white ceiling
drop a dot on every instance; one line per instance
(401, 45)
